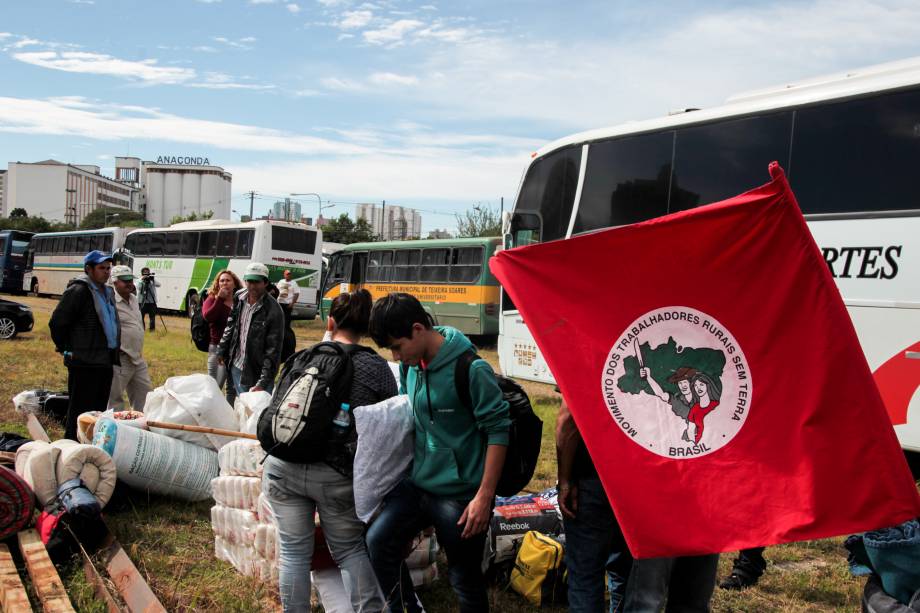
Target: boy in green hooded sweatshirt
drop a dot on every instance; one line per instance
(459, 452)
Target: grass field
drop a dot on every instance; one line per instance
(171, 541)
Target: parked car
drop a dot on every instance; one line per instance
(14, 318)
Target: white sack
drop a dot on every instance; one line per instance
(28, 402)
(237, 526)
(424, 576)
(266, 541)
(424, 553)
(193, 400)
(248, 407)
(264, 510)
(241, 457)
(386, 438)
(149, 461)
(237, 492)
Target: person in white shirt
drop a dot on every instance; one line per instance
(131, 376)
(288, 292)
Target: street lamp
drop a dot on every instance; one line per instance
(105, 217)
(319, 202)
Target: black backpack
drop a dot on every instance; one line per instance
(525, 435)
(302, 431)
(201, 332)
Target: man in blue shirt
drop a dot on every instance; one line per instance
(86, 330)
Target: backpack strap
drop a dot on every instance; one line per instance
(462, 377)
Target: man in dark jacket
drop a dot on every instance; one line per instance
(252, 341)
(86, 330)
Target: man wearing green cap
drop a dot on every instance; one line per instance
(131, 375)
(252, 341)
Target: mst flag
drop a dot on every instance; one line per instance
(716, 378)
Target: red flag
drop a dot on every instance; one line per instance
(716, 377)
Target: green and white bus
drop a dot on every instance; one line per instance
(54, 258)
(451, 278)
(186, 257)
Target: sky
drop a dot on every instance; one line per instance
(433, 105)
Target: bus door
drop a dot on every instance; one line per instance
(518, 353)
(336, 280)
(359, 270)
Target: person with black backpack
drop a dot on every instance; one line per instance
(215, 310)
(310, 437)
(459, 451)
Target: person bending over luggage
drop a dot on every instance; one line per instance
(85, 329)
(459, 452)
(297, 490)
(251, 345)
(216, 310)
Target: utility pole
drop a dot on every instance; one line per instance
(501, 212)
(383, 218)
(252, 201)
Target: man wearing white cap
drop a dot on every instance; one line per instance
(252, 341)
(131, 376)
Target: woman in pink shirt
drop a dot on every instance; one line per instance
(216, 310)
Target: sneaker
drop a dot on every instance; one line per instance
(737, 581)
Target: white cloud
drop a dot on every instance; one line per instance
(392, 33)
(5, 35)
(262, 1)
(242, 43)
(389, 78)
(204, 49)
(293, 8)
(339, 84)
(248, 39)
(146, 71)
(355, 19)
(82, 1)
(219, 80)
(25, 42)
(209, 1)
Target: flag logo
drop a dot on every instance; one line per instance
(676, 382)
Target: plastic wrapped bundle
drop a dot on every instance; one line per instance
(424, 553)
(242, 457)
(149, 461)
(237, 492)
(237, 526)
(193, 400)
(17, 503)
(242, 557)
(264, 510)
(266, 541)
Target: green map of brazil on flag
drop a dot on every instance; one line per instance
(715, 375)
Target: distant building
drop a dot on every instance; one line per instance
(391, 222)
(3, 212)
(440, 234)
(287, 209)
(63, 192)
(177, 186)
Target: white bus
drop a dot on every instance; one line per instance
(57, 257)
(850, 146)
(186, 257)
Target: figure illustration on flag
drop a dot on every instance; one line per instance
(678, 367)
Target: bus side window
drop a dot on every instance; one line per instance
(244, 244)
(70, 245)
(85, 243)
(226, 245)
(405, 265)
(626, 180)
(207, 244)
(189, 244)
(549, 189)
(466, 264)
(434, 265)
(379, 264)
(157, 241)
(173, 244)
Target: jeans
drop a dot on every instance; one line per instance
(595, 543)
(216, 370)
(88, 389)
(686, 583)
(235, 375)
(296, 492)
(406, 511)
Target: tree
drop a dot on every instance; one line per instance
(102, 217)
(343, 230)
(32, 224)
(191, 217)
(18, 213)
(479, 221)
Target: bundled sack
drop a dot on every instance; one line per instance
(539, 570)
(192, 400)
(149, 461)
(237, 492)
(17, 503)
(514, 516)
(242, 457)
(45, 466)
(248, 406)
(386, 443)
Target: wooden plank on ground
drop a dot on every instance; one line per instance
(129, 582)
(13, 596)
(36, 429)
(96, 580)
(45, 580)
